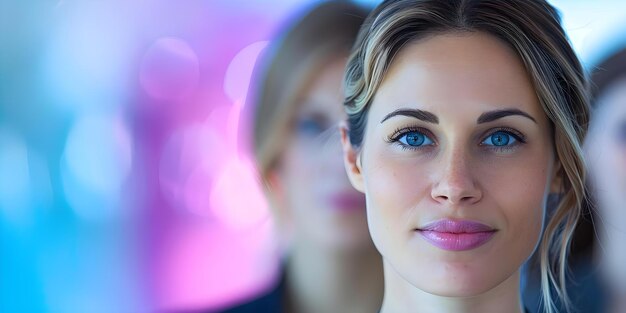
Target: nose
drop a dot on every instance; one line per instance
(456, 183)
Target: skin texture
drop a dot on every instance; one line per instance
(332, 264)
(456, 77)
(605, 151)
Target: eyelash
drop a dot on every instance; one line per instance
(519, 137)
(398, 133)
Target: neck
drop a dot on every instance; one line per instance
(401, 296)
(321, 279)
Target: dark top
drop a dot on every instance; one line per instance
(269, 302)
(586, 292)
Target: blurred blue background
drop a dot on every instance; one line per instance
(121, 153)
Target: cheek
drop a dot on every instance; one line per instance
(610, 181)
(296, 163)
(613, 169)
(520, 193)
(394, 188)
(607, 168)
(515, 186)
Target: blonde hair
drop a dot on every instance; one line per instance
(325, 31)
(532, 28)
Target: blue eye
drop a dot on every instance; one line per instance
(415, 139)
(500, 139)
(309, 127)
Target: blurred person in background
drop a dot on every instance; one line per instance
(605, 149)
(330, 263)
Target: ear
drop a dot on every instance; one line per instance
(351, 159)
(556, 186)
(275, 192)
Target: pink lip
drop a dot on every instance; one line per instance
(456, 235)
(348, 201)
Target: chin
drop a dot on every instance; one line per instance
(457, 280)
(457, 289)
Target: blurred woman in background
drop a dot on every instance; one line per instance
(605, 149)
(330, 264)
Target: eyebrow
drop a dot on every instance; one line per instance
(483, 118)
(418, 114)
(498, 114)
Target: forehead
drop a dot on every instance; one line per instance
(323, 93)
(464, 72)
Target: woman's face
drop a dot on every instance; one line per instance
(318, 203)
(456, 164)
(605, 149)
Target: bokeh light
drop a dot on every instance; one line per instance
(15, 180)
(95, 165)
(169, 69)
(239, 72)
(236, 198)
(190, 159)
(87, 58)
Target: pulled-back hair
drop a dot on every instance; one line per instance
(533, 30)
